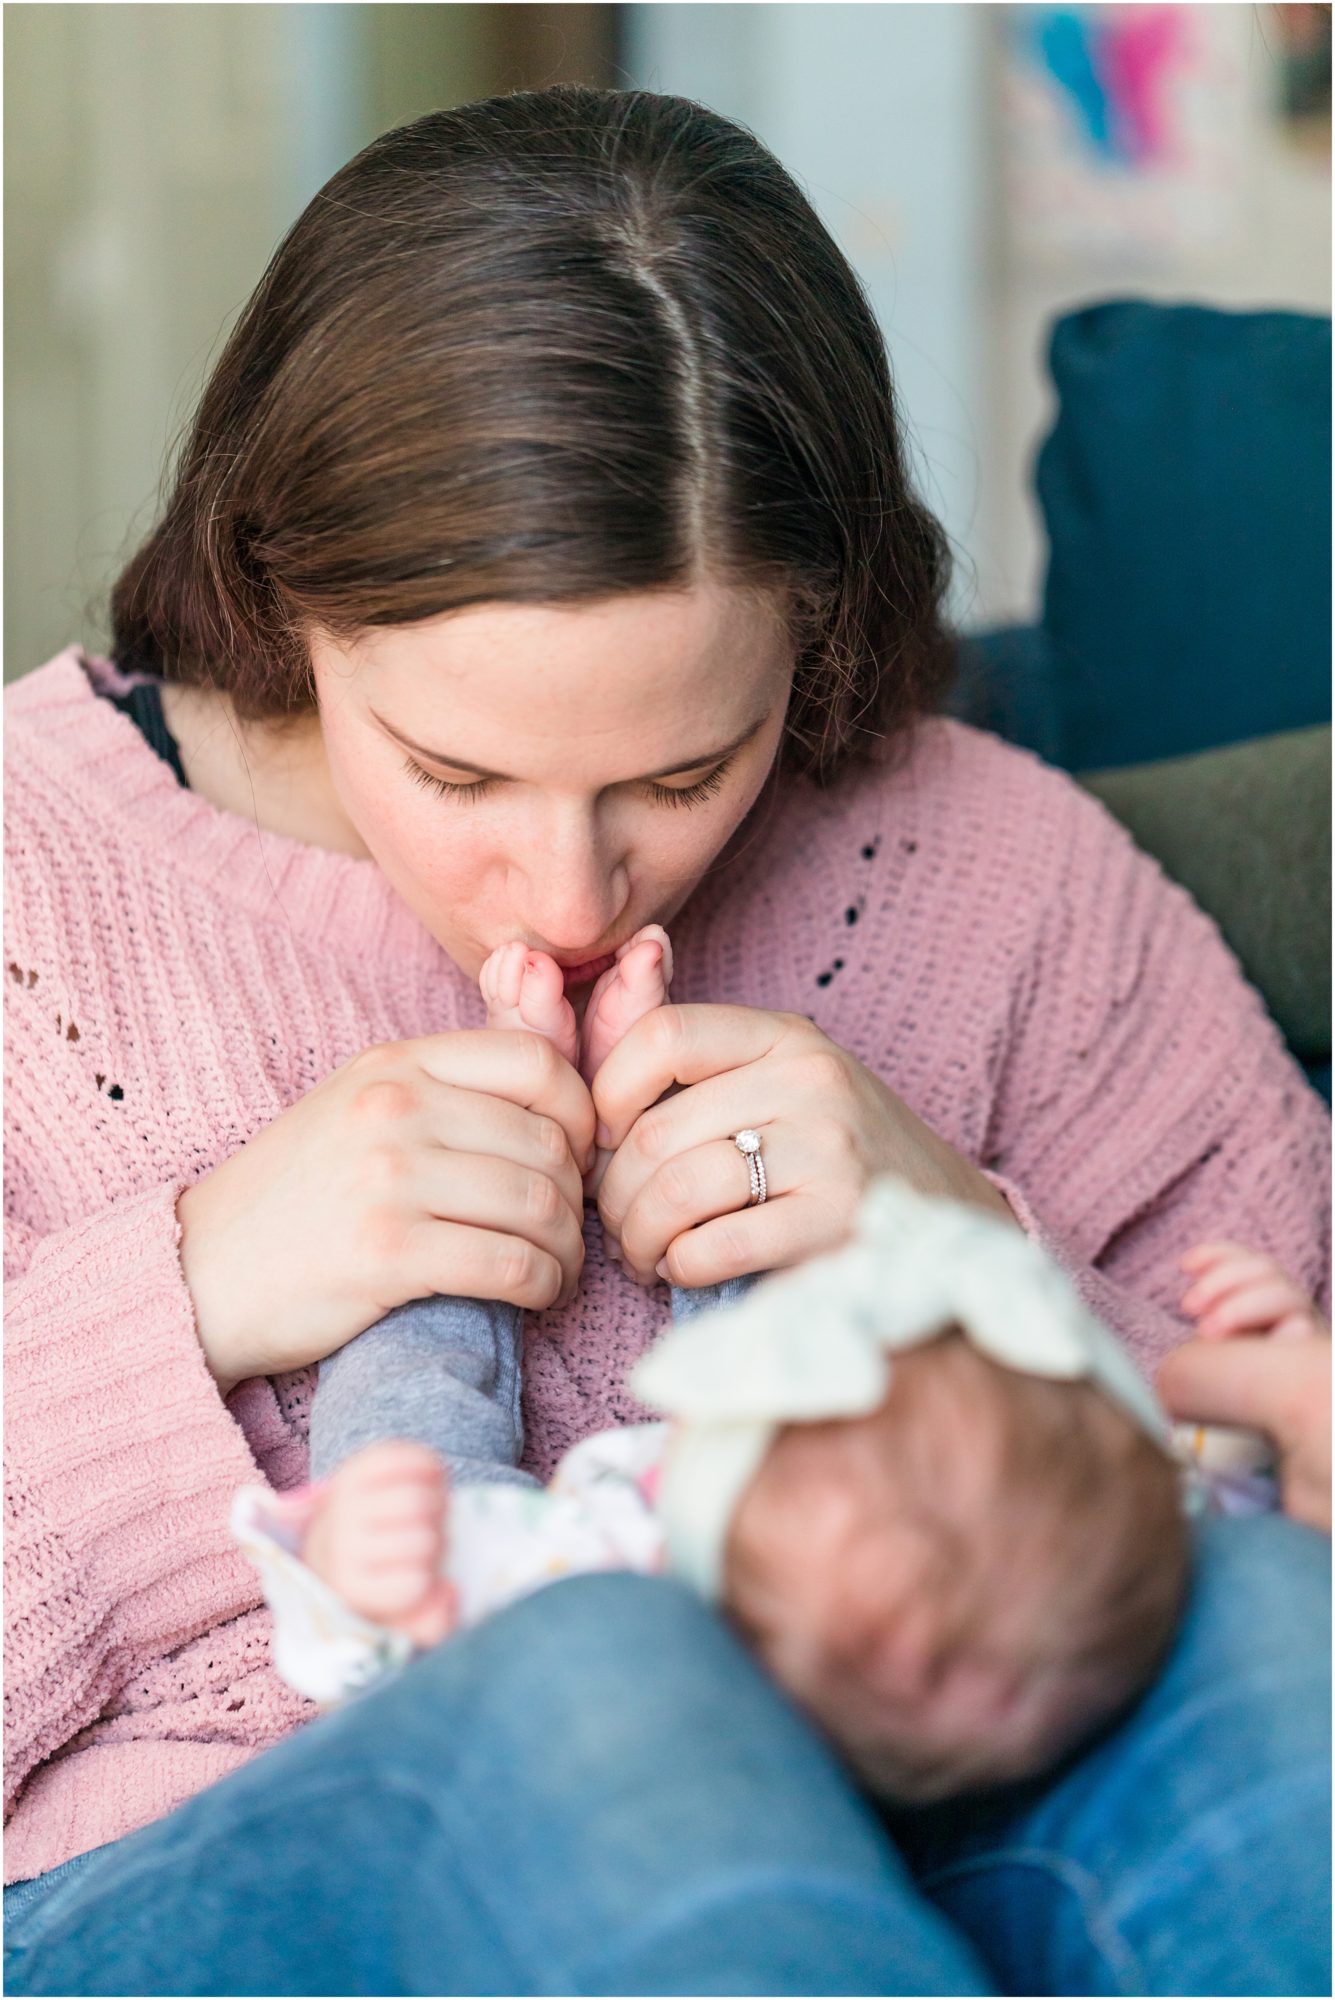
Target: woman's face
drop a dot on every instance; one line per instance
(559, 775)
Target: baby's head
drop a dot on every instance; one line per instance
(965, 1583)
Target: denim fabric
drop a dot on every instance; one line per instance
(597, 1792)
(593, 1792)
(1189, 1850)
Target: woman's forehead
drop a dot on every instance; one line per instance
(667, 678)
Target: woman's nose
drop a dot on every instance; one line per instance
(572, 888)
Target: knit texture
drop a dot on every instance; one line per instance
(972, 927)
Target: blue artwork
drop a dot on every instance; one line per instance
(1112, 66)
(1124, 134)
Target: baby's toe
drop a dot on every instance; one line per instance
(500, 981)
(645, 972)
(543, 1006)
(629, 990)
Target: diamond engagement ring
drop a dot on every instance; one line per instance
(748, 1145)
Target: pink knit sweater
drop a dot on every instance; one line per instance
(972, 927)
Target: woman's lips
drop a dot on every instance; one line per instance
(591, 969)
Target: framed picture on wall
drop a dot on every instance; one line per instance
(1123, 133)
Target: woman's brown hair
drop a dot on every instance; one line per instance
(547, 348)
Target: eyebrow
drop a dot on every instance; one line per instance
(477, 770)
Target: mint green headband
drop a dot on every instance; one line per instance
(816, 1342)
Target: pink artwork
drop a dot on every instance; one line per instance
(1141, 53)
(1124, 133)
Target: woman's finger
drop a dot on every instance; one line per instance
(708, 1114)
(1261, 1384)
(1228, 1275)
(1234, 1382)
(500, 1062)
(682, 1045)
(464, 1121)
(493, 1194)
(805, 1124)
(1254, 1309)
(690, 1188)
(1255, 1383)
(467, 1262)
(767, 1238)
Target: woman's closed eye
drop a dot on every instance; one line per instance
(667, 795)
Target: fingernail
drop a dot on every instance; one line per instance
(602, 1135)
(662, 1269)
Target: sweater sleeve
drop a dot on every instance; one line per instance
(121, 1461)
(1148, 1095)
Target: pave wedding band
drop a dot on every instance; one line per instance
(748, 1145)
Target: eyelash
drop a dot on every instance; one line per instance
(688, 795)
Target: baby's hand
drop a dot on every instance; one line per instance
(1237, 1291)
(378, 1539)
(526, 989)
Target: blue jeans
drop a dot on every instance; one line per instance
(597, 1792)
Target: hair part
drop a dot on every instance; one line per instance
(549, 348)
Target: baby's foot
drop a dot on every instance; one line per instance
(634, 986)
(526, 989)
(378, 1540)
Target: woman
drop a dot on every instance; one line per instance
(542, 562)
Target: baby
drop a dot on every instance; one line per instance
(959, 1563)
(929, 1489)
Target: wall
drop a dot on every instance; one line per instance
(154, 155)
(879, 113)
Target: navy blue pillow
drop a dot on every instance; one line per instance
(1186, 489)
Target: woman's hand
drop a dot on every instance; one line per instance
(674, 1197)
(1261, 1361)
(1280, 1387)
(450, 1163)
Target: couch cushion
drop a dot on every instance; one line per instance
(1187, 496)
(1247, 831)
(1005, 681)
